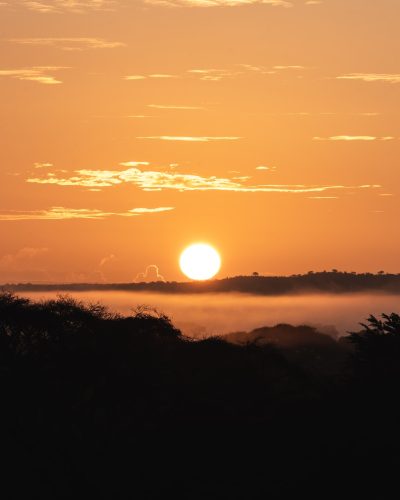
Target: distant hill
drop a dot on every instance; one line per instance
(282, 335)
(301, 345)
(318, 282)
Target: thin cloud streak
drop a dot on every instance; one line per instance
(162, 76)
(215, 74)
(42, 165)
(135, 77)
(36, 74)
(174, 106)
(349, 138)
(183, 138)
(151, 180)
(323, 197)
(71, 6)
(289, 67)
(218, 3)
(371, 77)
(83, 6)
(151, 210)
(263, 167)
(45, 80)
(62, 213)
(70, 44)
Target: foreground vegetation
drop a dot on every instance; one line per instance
(104, 406)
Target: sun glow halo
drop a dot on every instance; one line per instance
(200, 261)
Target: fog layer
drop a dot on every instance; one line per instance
(217, 314)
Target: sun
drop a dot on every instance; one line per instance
(200, 261)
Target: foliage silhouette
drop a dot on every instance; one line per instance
(99, 405)
(377, 347)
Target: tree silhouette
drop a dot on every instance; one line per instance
(377, 347)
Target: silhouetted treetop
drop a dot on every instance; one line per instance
(377, 346)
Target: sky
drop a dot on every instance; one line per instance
(132, 128)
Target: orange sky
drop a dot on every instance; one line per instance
(131, 128)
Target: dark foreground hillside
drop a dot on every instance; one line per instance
(96, 405)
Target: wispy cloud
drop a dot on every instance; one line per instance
(42, 165)
(69, 43)
(151, 210)
(217, 74)
(162, 75)
(184, 138)
(289, 67)
(62, 213)
(134, 163)
(263, 167)
(159, 76)
(154, 180)
(135, 77)
(105, 260)
(371, 77)
(82, 6)
(37, 74)
(45, 80)
(214, 75)
(365, 138)
(323, 197)
(60, 6)
(325, 113)
(174, 106)
(139, 116)
(253, 68)
(218, 3)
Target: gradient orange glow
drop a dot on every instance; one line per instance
(130, 127)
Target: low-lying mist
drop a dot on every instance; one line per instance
(217, 314)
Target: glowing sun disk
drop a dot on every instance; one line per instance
(200, 261)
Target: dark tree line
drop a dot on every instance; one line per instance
(323, 282)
